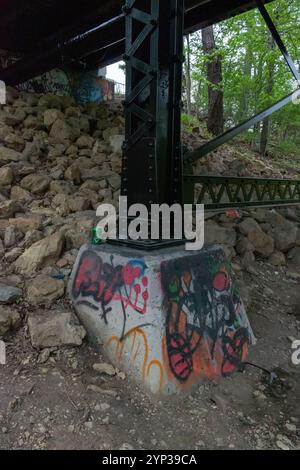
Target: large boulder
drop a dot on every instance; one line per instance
(51, 115)
(61, 131)
(263, 243)
(249, 225)
(54, 328)
(36, 184)
(286, 236)
(40, 254)
(20, 195)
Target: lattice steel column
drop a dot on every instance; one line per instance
(152, 160)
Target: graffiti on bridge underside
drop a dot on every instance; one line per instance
(207, 333)
(105, 283)
(84, 87)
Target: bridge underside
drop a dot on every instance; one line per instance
(83, 34)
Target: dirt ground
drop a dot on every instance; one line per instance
(47, 402)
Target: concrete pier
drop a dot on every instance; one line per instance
(169, 319)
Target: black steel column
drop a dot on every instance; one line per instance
(152, 160)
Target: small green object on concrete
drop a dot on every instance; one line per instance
(96, 236)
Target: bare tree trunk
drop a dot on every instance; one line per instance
(188, 78)
(215, 119)
(264, 136)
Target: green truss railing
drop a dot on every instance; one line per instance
(217, 192)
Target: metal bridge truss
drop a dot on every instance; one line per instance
(219, 192)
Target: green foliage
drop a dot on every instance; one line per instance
(254, 74)
(19, 301)
(189, 122)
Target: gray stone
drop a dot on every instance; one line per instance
(244, 245)
(11, 236)
(263, 243)
(9, 294)
(249, 225)
(6, 176)
(116, 142)
(85, 141)
(9, 319)
(44, 290)
(8, 209)
(274, 218)
(8, 155)
(13, 254)
(51, 115)
(73, 173)
(61, 131)
(248, 259)
(278, 259)
(294, 255)
(19, 194)
(55, 328)
(32, 237)
(36, 184)
(26, 223)
(115, 182)
(50, 101)
(286, 236)
(40, 254)
(216, 234)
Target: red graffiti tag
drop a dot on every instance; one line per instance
(104, 283)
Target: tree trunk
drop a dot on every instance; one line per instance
(243, 111)
(264, 136)
(188, 78)
(215, 119)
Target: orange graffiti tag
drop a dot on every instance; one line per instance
(139, 346)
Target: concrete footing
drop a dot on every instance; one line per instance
(169, 319)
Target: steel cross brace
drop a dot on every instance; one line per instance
(152, 157)
(191, 157)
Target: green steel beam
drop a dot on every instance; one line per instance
(192, 157)
(217, 192)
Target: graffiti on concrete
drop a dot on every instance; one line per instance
(168, 321)
(88, 88)
(207, 333)
(55, 82)
(136, 342)
(85, 87)
(106, 282)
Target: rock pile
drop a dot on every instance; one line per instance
(273, 235)
(58, 162)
